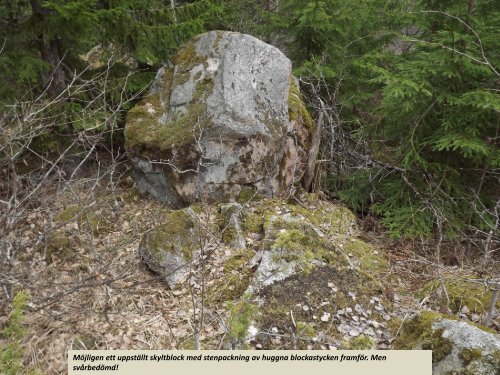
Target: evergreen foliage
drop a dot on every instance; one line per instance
(242, 315)
(438, 122)
(46, 42)
(414, 88)
(411, 87)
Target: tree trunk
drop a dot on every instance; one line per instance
(313, 154)
(50, 53)
(172, 5)
(470, 6)
(57, 77)
(491, 311)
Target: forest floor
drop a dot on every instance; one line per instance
(89, 288)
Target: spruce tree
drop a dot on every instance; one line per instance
(43, 41)
(436, 137)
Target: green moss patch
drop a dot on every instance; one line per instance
(248, 194)
(99, 218)
(187, 58)
(297, 110)
(181, 234)
(359, 343)
(460, 293)
(235, 278)
(369, 260)
(296, 241)
(469, 355)
(420, 327)
(417, 333)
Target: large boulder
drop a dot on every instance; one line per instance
(225, 117)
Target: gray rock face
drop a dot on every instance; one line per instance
(285, 250)
(272, 268)
(217, 121)
(473, 350)
(457, 347)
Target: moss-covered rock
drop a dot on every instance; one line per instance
(335, 221)
(284, 239)
(169, 249)
(222, 118)
(290, 245)
(310, 268)
(297, 239)
(457, 346)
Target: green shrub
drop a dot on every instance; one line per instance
(13, 333)
(242, 314)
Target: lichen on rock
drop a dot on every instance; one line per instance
(457, 346)
(226, 115)
(170, 248)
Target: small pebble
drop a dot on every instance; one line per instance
(354, 332)
(325, 317)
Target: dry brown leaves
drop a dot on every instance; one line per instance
(95, 293)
